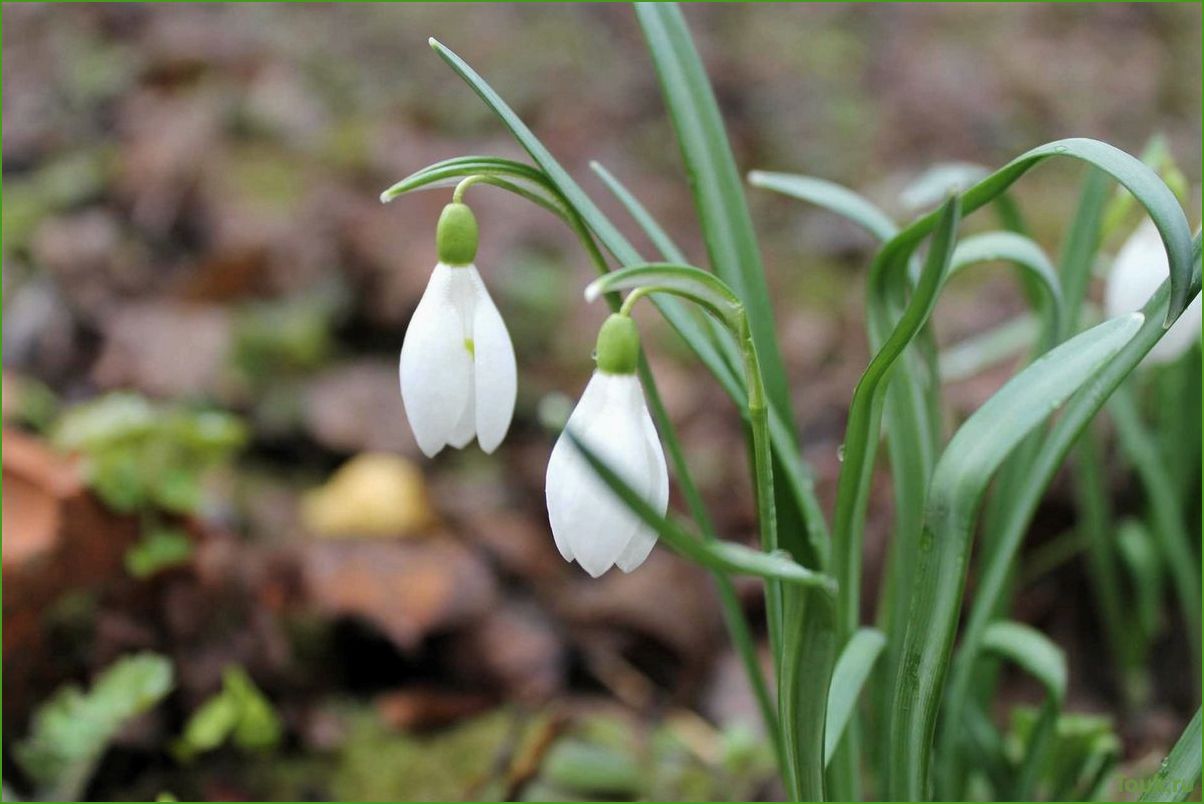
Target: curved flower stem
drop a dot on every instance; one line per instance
(462, 187)
(733, 613)
(758, 418)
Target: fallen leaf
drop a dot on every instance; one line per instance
(373, 494)
(406, 590)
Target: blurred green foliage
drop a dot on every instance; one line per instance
(71, 731)
(160, 548)
(142, 456)
(239, 713)
(56, 185)
(1082, 753)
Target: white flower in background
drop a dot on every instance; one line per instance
(458, 375)
(1140, 267)
(590, 523)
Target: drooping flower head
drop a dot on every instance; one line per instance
(590, 524)
(1140, 267)
(458, 374)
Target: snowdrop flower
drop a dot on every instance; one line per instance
(458, 376)
(1140, 267)
(590, 523)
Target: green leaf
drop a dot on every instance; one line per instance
(852, 669)
(1174, 540)
(977, 353)
(158, 550)
(209, 726)
(239, 712)
(1180, 771)
(1024, 254)
(515, 177)
(861, 434)
(656, 233)
(258, 726)
(1060, 438)
(831, 196)
(1149, 190)
(686, 281)
(717, 555)
(71, 731)
(718, 194)
(1031, 650)
(958, 483)
(1042, 659)
(933, 185)
(731, 242)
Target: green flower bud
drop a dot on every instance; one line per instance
(618, 345)
(456, 235)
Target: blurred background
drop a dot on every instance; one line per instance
(215, 516)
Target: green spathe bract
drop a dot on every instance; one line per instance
(618, 349)
(814, 599)
(456, 235)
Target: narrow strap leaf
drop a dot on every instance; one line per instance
(1061, 437)
(1023, 253)
(1179, 772)
(718, 194)
(699, 286)
(717, 555)
(1031, 650)
(831, 196)
(852, 669)
(958, 483)
(1145, 185)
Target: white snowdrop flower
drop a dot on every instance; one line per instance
(590, 523)
(1140, 267)
(458, 374)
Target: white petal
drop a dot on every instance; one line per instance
(435, 367)
(466, 427)
(562, 487)
(590, 523)
(496, 374)
(1140, 267)
(644, 539)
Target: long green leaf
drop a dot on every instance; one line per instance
(656, 233)
(717, 555)
(731, 245)
(1042, 659)
(959, 481)
(718, 194)
(831, 196)
(1023, 253)
(861, 434)
(1057, 444)
(1180, 771)
(450, 170)
(852, 669)
(1173, 538)
(699, 286)
(975, 354)
(1031, 650)
(1149, 190)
